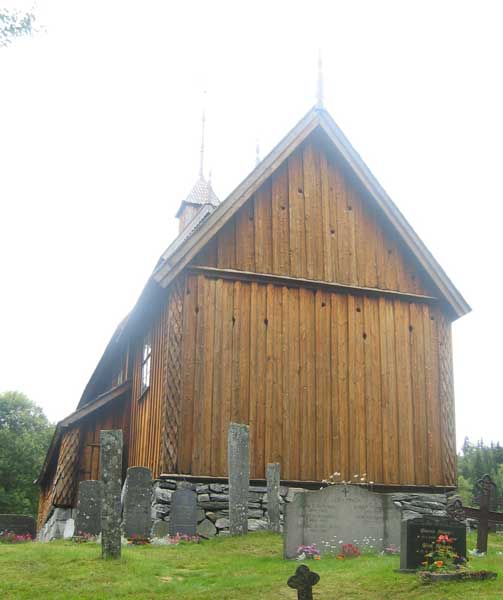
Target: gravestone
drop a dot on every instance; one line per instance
(303, 581)
(238, 457)
(138, 503)
(340, 514)
(419, 535)
(111, 476)
(88, 519)
(183, 516)
(18, 524)
(486, 493)
(273, 477)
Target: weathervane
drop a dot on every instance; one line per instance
(257, 154)
(319, 90)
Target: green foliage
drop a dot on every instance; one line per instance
(15, 23)
(25, 434)
(474, 461)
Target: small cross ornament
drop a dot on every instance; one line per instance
(303, 581)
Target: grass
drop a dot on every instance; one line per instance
(221, 569)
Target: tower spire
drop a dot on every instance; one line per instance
(257, 153)
(203, 124)
(319, 89)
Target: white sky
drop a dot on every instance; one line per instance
(99, 142)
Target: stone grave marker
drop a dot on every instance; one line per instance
(486, 493)
(418, 536)
(18, 524)
(273, 475)
(340, 514)
(238, 457)
(88, 519)
(183, 516)
(303, 581)
(137, 503)
(111, 476)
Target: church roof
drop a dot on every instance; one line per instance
(202, 193)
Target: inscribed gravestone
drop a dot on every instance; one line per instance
(340, 514)
(137, 503)
(273, 479)
(418, 537)
(238, 456)
(18, 524)
(111, 476)
(183, 517)
(88, 519)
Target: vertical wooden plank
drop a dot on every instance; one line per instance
(290, 448)
(245, 237)
(199, 371)
(216, 420)
(287, 407)
(323, 405)
(327, 237)
(188, 353)
(373, 390)
(310, 382)
(296, 215)
(263, 229)
(303, 356)
(388, 391)
(253, 380)
(432, 395)
(269, 414)
(226, 366)
(334, 387)
(417, 352)
(278, 366)
(343, 381)
(226, 246)
(342, 226)
(208, 366)
(405, 414)
(258, 385)
(280, 222)
(235, 415)
(244, 355)
(311, 222)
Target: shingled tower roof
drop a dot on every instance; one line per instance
(201, 194)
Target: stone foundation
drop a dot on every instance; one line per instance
(60, 524)
(213, 506)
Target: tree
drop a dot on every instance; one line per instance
(15, 23)
(25, 435)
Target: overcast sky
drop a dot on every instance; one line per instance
(99, 142)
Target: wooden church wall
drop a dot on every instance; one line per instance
(327, 381)
(311, 220)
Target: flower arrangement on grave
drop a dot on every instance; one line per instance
(391, 549)
(83, 538)
(348, 551)
(9, 537)
(137, 540)
(308, 552)
(182, 537)
(443, 556)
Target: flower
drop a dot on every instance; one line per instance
(439, 563)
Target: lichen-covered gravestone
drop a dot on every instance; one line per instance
(273, 513)
(111, 475)
(183, 517)
(239, 477)
(137, 503)
(88, 519)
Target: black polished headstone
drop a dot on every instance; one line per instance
(183, 515)
(419, 535)
(88, 519)
(18, 524)
(137, 503)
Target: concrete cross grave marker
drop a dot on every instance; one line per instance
(111, 476)
(303, 581)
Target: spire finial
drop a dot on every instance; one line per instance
(203, 123)
(257, 153)
(319, 91)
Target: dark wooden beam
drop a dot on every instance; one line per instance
(287, 281)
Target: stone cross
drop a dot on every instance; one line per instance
(238, 457)
(486, 488)
(111, 476)
(88, 519)
(303, 581)
(272, 474)
(138, 503)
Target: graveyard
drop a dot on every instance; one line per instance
(230, 568)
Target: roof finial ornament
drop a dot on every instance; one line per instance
(319, 90)
(203, 123)
(257, 153)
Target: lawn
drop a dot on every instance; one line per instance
(221, 569)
